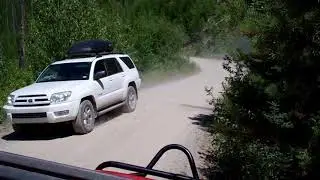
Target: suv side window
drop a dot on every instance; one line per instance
(99, 66)
(128, 62)
(113, 66)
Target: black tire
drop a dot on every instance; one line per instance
(128, 106)
(85, 120)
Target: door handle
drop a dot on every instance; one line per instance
(111, 80)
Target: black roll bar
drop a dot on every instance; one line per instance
(144, 171)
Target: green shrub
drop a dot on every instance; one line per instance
(12, 78)
(266, 124)
(149, 39)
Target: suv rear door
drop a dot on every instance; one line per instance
(130, 69)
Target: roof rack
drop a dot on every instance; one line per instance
(91, 48)
(107, 53)
(84, 55)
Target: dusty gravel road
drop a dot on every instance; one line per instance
(161, 118)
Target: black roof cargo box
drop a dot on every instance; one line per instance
(90, 47)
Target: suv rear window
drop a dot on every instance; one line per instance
(128, 62)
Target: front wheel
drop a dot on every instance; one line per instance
(131, 100)
(85, 118)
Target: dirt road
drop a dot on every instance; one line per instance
(162, 117)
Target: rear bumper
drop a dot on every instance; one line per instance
(43, 114)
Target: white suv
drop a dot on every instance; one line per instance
(76, 90)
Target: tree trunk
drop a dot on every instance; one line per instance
(22, 35)
(13, 16)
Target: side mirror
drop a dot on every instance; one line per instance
(98, 75)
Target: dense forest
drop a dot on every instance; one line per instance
(265, 124)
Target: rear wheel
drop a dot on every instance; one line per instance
(131, 100)
(85, 118)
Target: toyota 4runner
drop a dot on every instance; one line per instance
(77, 89)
